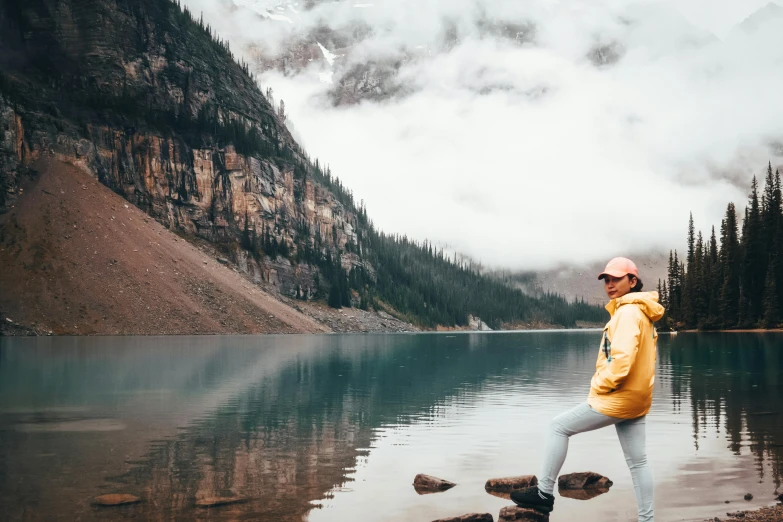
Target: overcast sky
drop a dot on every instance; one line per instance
(527, 156)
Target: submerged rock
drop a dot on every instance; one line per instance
(429, 484)
(584, 480)
(219, 501)
(513, 513)
(748, 496)
(507, 484)
(470, 517)
(582, 494)
(115, 499)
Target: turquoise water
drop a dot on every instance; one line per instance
(335, 427)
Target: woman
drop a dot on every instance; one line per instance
(620, 391)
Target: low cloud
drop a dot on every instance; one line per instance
(528, 134)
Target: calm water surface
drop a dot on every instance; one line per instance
(334, 428)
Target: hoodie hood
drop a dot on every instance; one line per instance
(646, 301)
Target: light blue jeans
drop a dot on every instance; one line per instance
(632, 439)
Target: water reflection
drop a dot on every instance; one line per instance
(733, 384)
(335, 427)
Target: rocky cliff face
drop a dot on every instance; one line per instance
(125, 90)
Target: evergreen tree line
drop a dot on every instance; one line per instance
(733, 281)
(433, 289)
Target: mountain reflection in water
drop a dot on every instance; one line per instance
(335, 427)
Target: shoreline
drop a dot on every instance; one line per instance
(765, 514)
(340, 321)
(739, 330)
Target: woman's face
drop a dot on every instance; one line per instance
(618, 286)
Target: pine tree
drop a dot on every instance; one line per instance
(691, 241)
(687, 311)
(697, 284)
(345, 291)
(713, 281)
(777, 247)
(754, 261)
(729, 256)
(675, 289)
(335, 299)
(246, 243)
(664, 296)
(771, 308)
(770, 208)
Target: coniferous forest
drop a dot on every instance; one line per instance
(731, 281)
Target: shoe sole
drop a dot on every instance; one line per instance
(536, 507)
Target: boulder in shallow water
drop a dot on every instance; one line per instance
(508, 484)
(115, 499)
(470, 517)
(584, 480)
(429, 484)
(514, 513)
(582, 494)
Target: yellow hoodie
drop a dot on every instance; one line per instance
(623, 382)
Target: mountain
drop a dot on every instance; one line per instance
(755, 21)
(143, 97)
(336, 48)
(361, 54)
(579, 281)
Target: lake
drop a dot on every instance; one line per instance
(335, 427)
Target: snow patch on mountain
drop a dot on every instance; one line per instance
(327, 55)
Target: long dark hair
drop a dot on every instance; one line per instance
(639, 284)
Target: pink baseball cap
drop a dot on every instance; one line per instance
(619, 267)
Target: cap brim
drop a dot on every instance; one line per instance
(613, 273)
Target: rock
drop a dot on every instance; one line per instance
(748, 496)
(582, 494)
(505, 495)
(736, 514)
(475, 323)
(470, 517)
(508, 484)
(510, 513)
(206, 502)
(429, 484)
(115, 499)
(584, 480)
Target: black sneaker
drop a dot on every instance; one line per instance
(532, 498)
